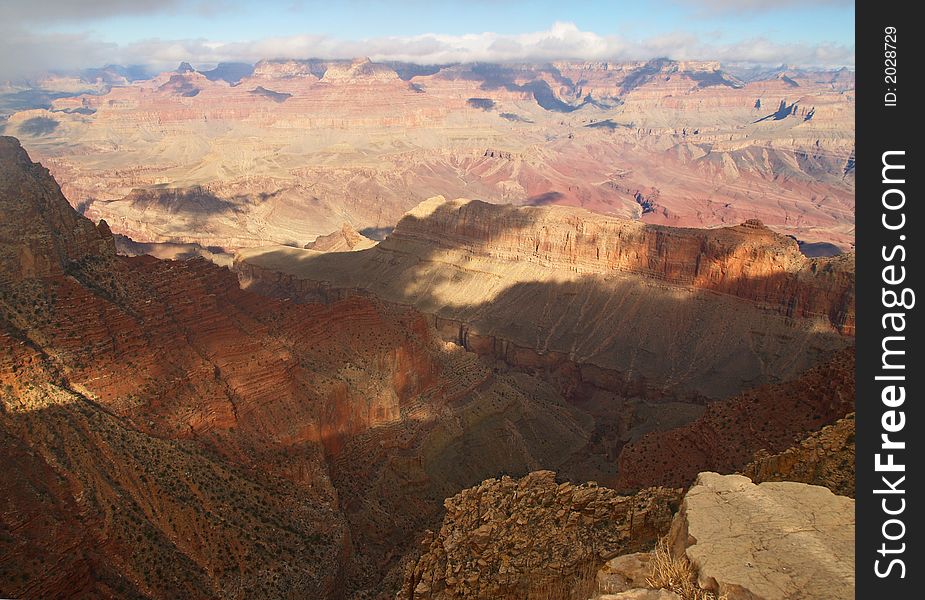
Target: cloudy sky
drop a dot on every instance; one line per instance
(45, 35)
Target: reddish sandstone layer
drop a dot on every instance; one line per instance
(41, 233)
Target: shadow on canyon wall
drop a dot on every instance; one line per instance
(649, 325)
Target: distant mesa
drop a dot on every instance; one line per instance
(185, 67)
(285, 69)
(361, 70)
(181, 86)
(231, 72)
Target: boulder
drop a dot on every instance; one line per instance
(625, 572)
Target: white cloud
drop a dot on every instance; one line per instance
(23, 54)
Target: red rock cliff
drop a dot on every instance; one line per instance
(748, 261)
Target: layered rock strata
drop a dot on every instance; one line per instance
(291, 150)
(238, 445)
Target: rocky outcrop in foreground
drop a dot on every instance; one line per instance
(730, 539)
(771, 541)
(533, 538)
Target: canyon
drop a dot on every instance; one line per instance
(291, 423)
(286, 150)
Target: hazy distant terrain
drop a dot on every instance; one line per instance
(288, 150)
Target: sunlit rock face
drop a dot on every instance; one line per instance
(295, 148)
(770, 541)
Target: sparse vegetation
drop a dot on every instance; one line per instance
(676, 574)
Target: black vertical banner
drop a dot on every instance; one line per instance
(890, 370)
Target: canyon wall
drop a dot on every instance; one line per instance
(170, 434)
(663, 312)
(748, 261)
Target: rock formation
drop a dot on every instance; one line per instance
(647, 310)
(236, 443)
(347, 239)
(729, 538)
(533, 538)
(771, 541)
(41, 233)
(168, 434)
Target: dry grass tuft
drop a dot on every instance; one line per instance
(677, 575)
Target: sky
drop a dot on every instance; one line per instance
(56, 35)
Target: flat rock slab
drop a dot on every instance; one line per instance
(772, 541)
